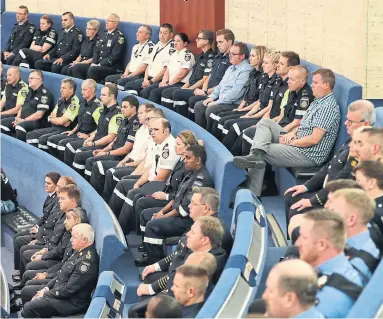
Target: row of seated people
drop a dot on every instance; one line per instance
(56, 247)
(131, 158)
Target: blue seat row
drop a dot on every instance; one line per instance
(239, 281)
(128, 28)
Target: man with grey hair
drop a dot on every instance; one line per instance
(62, 117)
(138, 61)
(88, 115)
(109, 57)
(291, 289)
(313, 194)
(70, 292)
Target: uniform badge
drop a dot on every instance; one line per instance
(121, 40)
(109, 43)
(197, 184)
(354, 163)
(136, 127)
(44, 90)
(322, 281)
(72, 107)
(209, 63)
(44, 99)
(31, 30)
(119, 121)
(23, 93)
(150, 50)
(304, 102)
(165, 154)
(80, 37)
(187, 57)
(52, 34)
(171, 51)
(84, 267)
(88, 255)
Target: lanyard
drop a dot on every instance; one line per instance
(159, 50)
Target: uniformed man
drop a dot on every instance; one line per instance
(201, 71)
(174, 219)
(205, 235)
(155, 194)
(44, 40)
(136, 154)
(163, 306)
(3, 79)
(44, 226)
(62, 118)
(79, 67)
(123, 143)
(130, 168)
(69, 198)
(291, 289)
(21, 36)
(34, 112)
(225, 39)
(109, 57)
(369, 175)
(88, 116)
(178, 69)
(70, 292)
(15, 93)
(163, 160)
(67, 48)
(45, 258)
(156, 64)
(138, 61)
(77, 152)
(357, 209)
(300, 198)
(229, 93)
(321, 243)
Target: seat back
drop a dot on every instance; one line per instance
(379, 116)
(239, 280)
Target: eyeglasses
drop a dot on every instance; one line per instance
(235, 53)
(30, 78)
(90, 29)
(198, 38)
(107, 20)
(353, 122)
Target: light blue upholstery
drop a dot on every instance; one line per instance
(26, 167)
(128, 28)
(232, 294)
(379, 116)
(225, 174)
(371, 298)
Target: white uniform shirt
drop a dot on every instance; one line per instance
(149, 153)
(160, 57)
(164, 156)
(140, 55)
(141, 143)
(183, 59)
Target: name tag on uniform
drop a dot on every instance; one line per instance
(88, 113)
(36, 98)
(15, 94)
(109, 43)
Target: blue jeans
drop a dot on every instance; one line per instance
(7, 206)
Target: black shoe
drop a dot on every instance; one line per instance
(16, 278)
(16, 273)
(142, 262)
(141, 248)
(253, 160)
(18, 286)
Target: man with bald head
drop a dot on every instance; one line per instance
(14, 95)
(291, 289)
(70, 292)
(313, 194)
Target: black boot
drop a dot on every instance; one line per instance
(253, 160)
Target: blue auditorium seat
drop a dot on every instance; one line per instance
(238, 283)
(128, 28)
(379, 116)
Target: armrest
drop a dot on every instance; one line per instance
(170, 241)
(304, 172)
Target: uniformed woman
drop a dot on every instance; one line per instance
(179, 68)
(44, 40)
